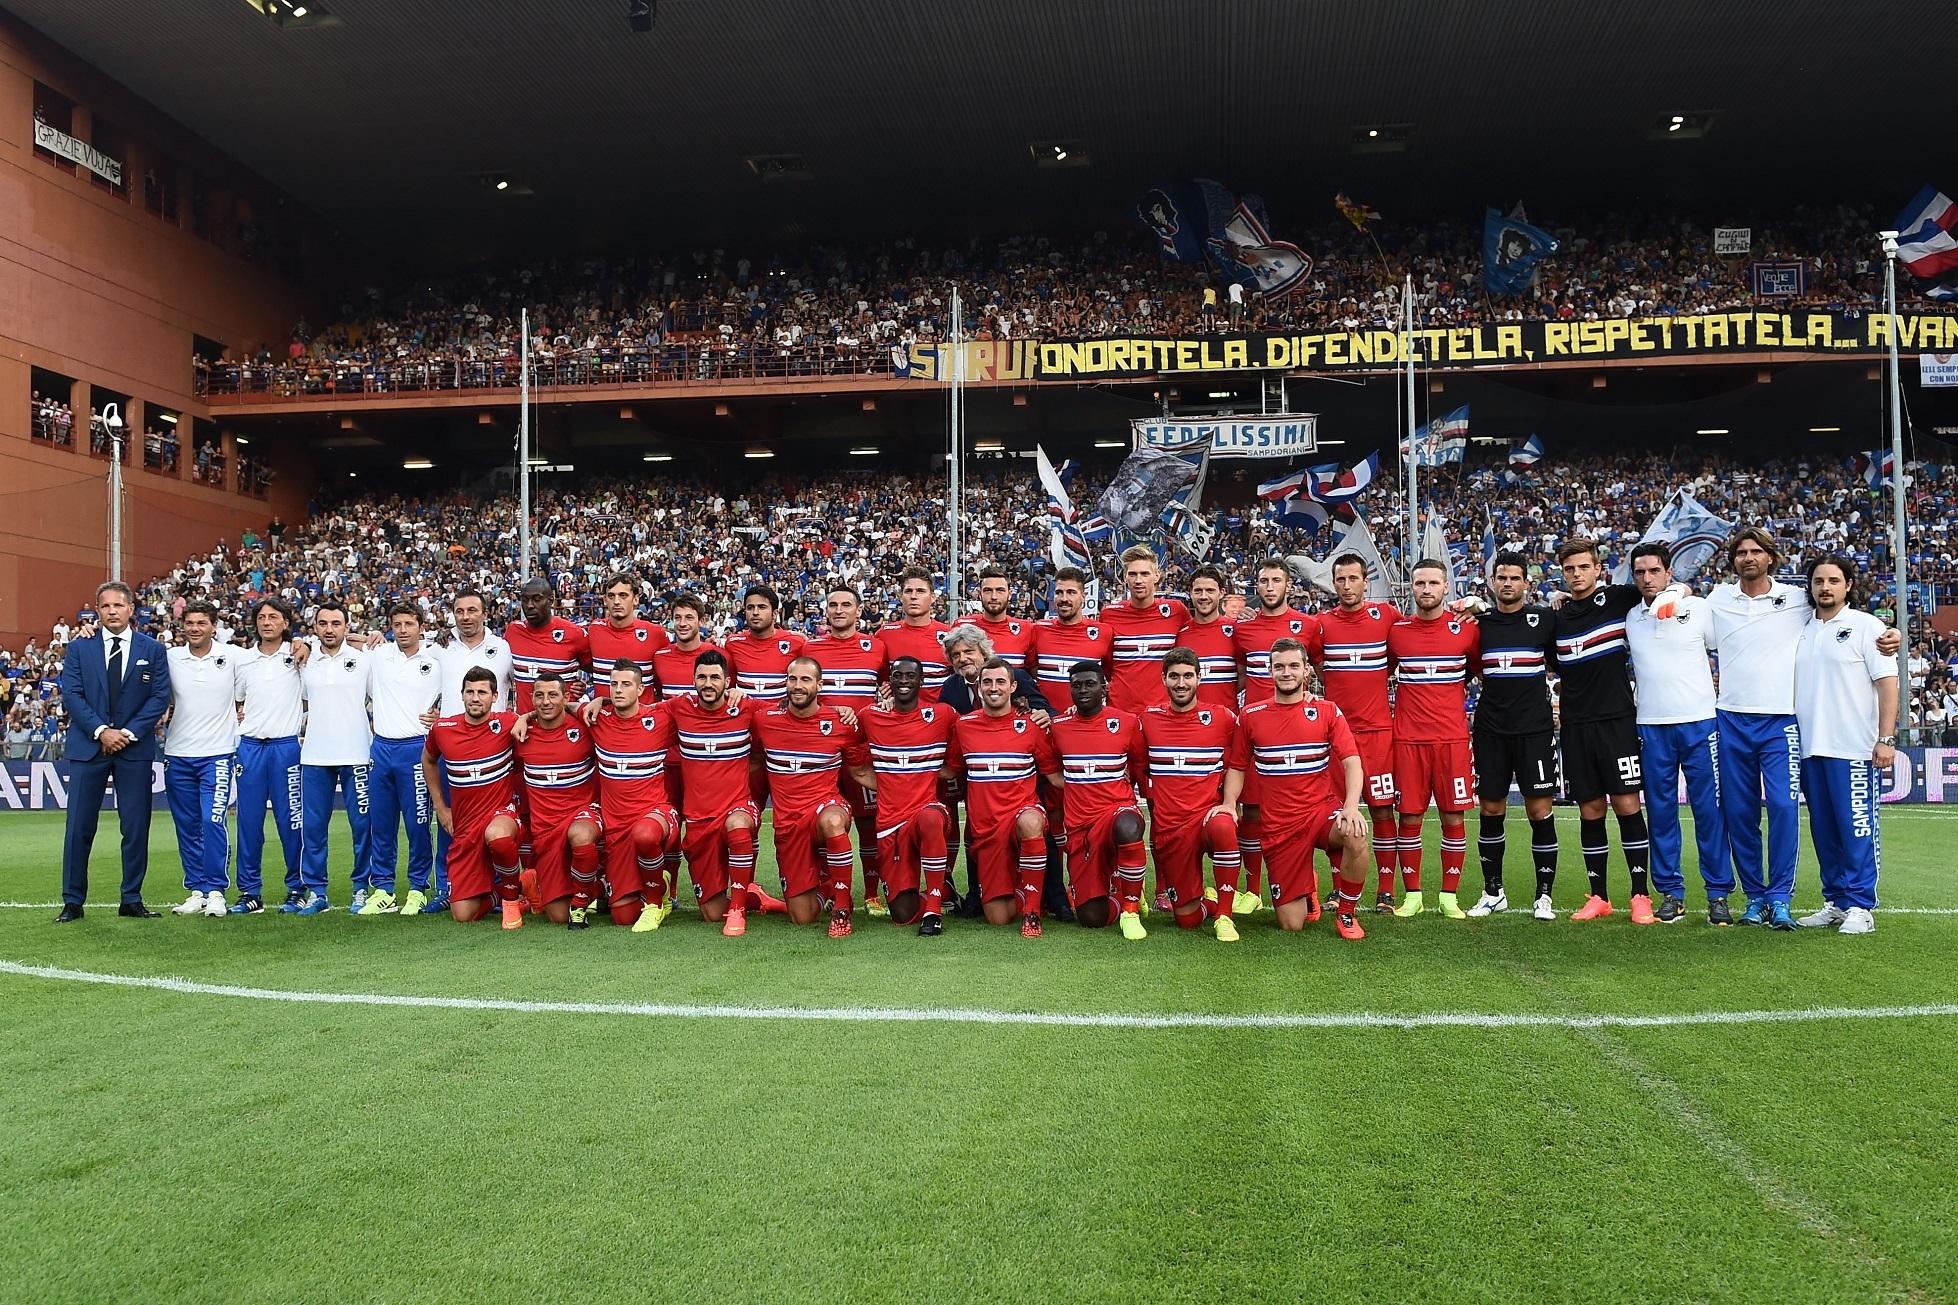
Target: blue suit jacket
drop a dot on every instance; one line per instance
(136, 705)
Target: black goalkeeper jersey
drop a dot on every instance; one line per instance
(1519, 649)
(1594, 665)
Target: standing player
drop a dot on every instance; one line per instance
(560, 781)
(1066, 637)
(271, 704)
(1515, 734)
(1212, 638)
(475, 750)
(1187, 742)
(1670, 634)
(1102, 756)
(1350, 645)
(1602, 763)
(335, 754)
(1141, 628)
(761, 650)
(1436, 653)
(1846, 691)
(406, 684)
(622, 635)
(918, 633)
(543, 641)
(632, 736)
(806, 745)
(1005, 754)
(853, 665)
(1010, 636)
(716, 750)
(1301, 748)
(200, 758)
(910, 746)
(673, 661)
(1253, 637)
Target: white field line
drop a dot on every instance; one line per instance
(954, 1015)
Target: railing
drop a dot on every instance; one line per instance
(54, 426)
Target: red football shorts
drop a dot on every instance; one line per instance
(861, 799)
(1377, 761)
(621, 858)
(1178, 850)
(705, 846)
(1288, 857)
(470, 872)
(1443, 771)
(900, 848)
(798, 846)
(1091, 856)
(552, 848)
(996, 852)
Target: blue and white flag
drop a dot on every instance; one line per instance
(1302, 514)
(1066, 544)
(1156, 497)
(1185, 215)
(1927, 234)
(1443, 440)
(1694, 531)
(1526, 454)
(1511, 250)
(1488, 547)
(1245, 252)
(1878, 467)
(1286, 486)
(1330, 485)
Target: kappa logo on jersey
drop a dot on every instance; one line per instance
(823, 728)
(1019, 727)
(557, 636)
(782, 646)
(1531, 619)
(1203, 718)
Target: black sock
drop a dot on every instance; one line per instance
(1489, 845)
(1638, 848)
(1543, 853)
(1591, 837)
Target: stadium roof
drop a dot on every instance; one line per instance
(913, 117)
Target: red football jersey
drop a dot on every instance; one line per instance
(560, 771)
(1186, 752)
(636, 642)
(1137, 639)
(480, 762)
(852, 667)
(761, 665)
(1012, 637)
(1253, 635)
(673, 668)
(805, 754)
(1101, 757)
(907, 750)
(1057, 647)
(1215, 645)
(560, 646)
(925, 642)
(1351, 651)
(714, 756)
(1003, 758)
(1435, 659)
(1299, 750)
(632, 756)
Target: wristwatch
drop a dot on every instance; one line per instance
(1888, 740)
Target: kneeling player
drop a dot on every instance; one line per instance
(1292, 741)
(909, 746)
(560, 776)
(805, 744)
(479, 812)
(1187, 745)
(1101, 754)
(716, 750)
(1005, 754)
(632, 737)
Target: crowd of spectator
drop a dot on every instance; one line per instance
(832, 310)
(802, 534)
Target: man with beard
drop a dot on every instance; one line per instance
(633, 737)
(716, 750)
(622, 635)
(1253, 638)
(1101, 754)
(1005, 754)
(1515, 738)
(1351, 650)
(1066, 637)
(475, 749)
(853, 664)
(1435, 653)
(272, 707)
(560, 780)
(1186, 743)
(1010, 636)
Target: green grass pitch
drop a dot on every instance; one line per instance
(165, 1144)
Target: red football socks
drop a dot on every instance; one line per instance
(933, 857)
(1033, 874)
(1386, 846)
(1410, 853)
(838, 862)
(1131, 862)
(503, 866)
(1251, 853)
(1226, 862)
(1454, 852)
(584, 874)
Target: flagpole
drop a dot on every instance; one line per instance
(954, 488)
(1409, 551)
(1899, 538)
(523, 452)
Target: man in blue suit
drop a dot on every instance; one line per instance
(116, 684)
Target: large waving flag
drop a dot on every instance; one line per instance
(1066, 543)
(1511, 250)
(1331, 485)
(1445, 439)
(1184, 215)
(1694, 531)
(1877, 467)
(1927, 234)
(1286, 486)
(1245, 252)
(1526, 454)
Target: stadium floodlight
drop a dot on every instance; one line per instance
(416, 464)
(1381, 137)
(1687, 125)
(1824, 430)
(1059, 153)
(1713, 430)
(759, 453)
(656, 457)
(1110, 444)
(641, 13)
(863, 451)
(241, 440)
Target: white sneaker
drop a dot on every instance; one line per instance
(214, 906)
(1828, 917)
(1543, 910)
(1858, 920)
(1489, 904)
(360, 900)
(192, 905)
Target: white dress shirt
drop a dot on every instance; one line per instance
(203, 703)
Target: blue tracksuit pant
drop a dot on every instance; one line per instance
(268, 774)
(1692, 748)
(1843, 805)
(318, 784)
(399, 794)
(199, 789)
(1760, 752)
